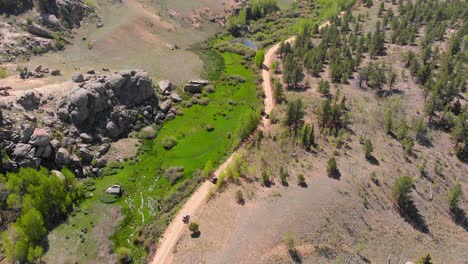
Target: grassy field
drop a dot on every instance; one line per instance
(143, 180)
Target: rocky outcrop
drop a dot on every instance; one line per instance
(75, 129)
(69, 12)
(40, 32)
(99, 94)
(195, 86)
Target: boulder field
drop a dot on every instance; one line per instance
(75, 129)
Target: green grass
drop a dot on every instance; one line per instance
(195, 146)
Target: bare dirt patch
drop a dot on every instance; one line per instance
(125, 148)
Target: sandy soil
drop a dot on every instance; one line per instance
(350, 220)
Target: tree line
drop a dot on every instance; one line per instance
(37, 201)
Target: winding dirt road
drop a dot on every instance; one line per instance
(164, 252)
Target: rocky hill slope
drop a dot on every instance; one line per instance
(75, 128)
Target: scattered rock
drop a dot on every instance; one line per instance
(165, 106)
(165, 86)
(193, 88)
(62, 157)
(50, 21)
(39, 31)
(40, 138)
(86, 138)
(78, 78)
(86, 155)
(55, 72)
(99, 23)
(26, 132)
(22, 150)
(29, 101)
(104, 149)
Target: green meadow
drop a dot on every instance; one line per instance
(143, 179)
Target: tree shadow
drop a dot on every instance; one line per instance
(295, 255)
(268, 184)
(412, 216)
(424, 141)
(335, 175)
(388, 93)
(372, 160)
(285, 184)
(459, 217)
(196, 234)
(303, 184)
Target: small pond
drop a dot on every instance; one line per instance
(246, 42)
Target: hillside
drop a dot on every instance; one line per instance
(347, 95)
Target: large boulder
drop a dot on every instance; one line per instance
(29, 101)
(50, 21)
(62, 157)
(165, 106)
(165, 86)
(26, 132)
(40, 138)
(193, 88)
(114, 129)
(86, 155)
(137, 89)
(22, 150)
(116, 80)
(78, 78)
(39, 31)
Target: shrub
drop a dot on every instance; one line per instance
(169, 142)
(194, 227)
(425, 260)
(239, 197)
(265, 180)
(373, 177)
(209, 127)
(332, 168)
(3, 73)
(173, 174)
(284, 176)
(207, 170)
(408, 145)
(204, 101)
(368, 148)
(300, 179)
(259, 58)
(401, 189)
(289, 241)
(108, 198)
(124, 255)
(238, 78)
(210, 89)
(454, 197)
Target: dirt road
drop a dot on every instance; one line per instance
(164, 252)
